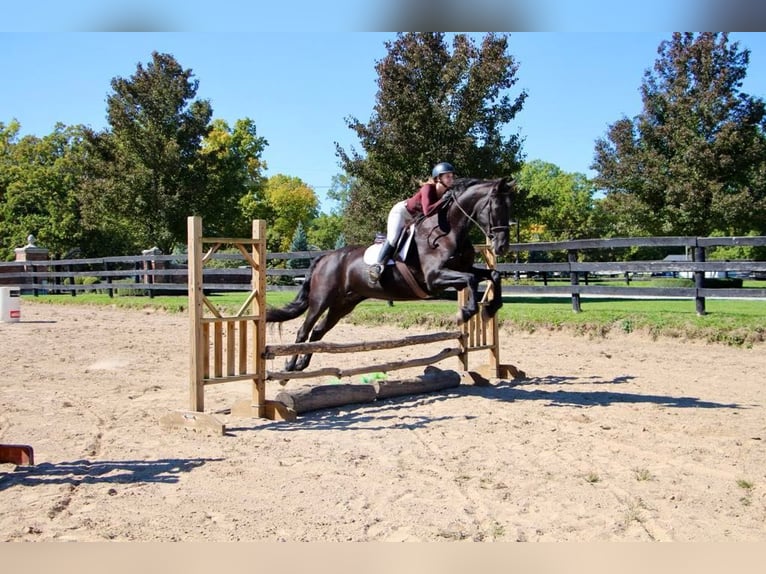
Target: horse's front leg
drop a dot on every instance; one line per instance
(492, 275)
(458, 280)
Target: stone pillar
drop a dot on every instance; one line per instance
(29, 254)
(150, 264)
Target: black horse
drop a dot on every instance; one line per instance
(442, 256)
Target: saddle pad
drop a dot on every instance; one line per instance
(371, 253)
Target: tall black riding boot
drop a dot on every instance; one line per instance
(386, 250)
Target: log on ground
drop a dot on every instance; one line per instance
(326, 396)
(433, 379)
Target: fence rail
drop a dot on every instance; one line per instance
(154, 273)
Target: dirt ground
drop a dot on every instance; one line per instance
(620, 438)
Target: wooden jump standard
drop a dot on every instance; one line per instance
(245, 351)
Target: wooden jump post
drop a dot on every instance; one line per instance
(245, 332)
(483, 333)
(233, 348)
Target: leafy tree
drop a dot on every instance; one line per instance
(325, 230)
(157, 132)
(289, 202)
(340, 191)
(432, 105)
(39, 180)
(340, 242)
(233, 177)
(564, 204)
(106, 202)
(694, 160)
(300, 242)
(9, 135)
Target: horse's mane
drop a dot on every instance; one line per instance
(463, 183)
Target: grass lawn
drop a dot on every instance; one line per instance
(730, 321)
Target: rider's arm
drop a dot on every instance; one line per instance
(428, 199)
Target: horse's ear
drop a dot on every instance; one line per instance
(507, 186)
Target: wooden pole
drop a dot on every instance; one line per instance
(196, 342)
(494, 352)
(272, 351)
(259, 310)
(699, 281)
(574, 281)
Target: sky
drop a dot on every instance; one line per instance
(299, 88)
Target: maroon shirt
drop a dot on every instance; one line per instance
(424, 201)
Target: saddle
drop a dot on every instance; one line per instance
(403, 246)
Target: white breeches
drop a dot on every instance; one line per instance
(398, 217)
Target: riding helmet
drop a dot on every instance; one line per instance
(441, 168)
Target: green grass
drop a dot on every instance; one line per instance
(728, 321)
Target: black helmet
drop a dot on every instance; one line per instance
(442, 168)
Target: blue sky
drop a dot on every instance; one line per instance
(298, 88)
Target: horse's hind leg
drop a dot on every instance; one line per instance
(300, 362)
(334, 314)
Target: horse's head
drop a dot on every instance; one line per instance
(488, 204)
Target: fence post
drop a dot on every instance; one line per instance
(574, 280)
(699, 280)
(109, 281)
(73, 283)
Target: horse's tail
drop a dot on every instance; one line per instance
(297, 306)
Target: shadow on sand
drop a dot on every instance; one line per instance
(105, 471)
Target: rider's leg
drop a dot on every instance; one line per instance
(396, 218)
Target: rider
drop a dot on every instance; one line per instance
(425, 201)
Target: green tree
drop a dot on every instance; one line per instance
(340, 242)
(563, 202)
(157, 132)
(39, 180)
(340, 192)
(694, 160)
(300, 242)
(289, 202)
(325, 230)
(106, 203)
(432, 105)
(9, 136)
(233, 177)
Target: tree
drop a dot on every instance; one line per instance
(340, 192)
(289, 202)
(694, 160)
(39, 180)
(300, 242)
(157, 130)
(233, 178)
(340, 242)
(432, 105)
(325, 230)
(563, 202)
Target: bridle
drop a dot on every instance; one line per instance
(492, 228)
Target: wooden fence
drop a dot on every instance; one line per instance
(578, 269)
(152, 273)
